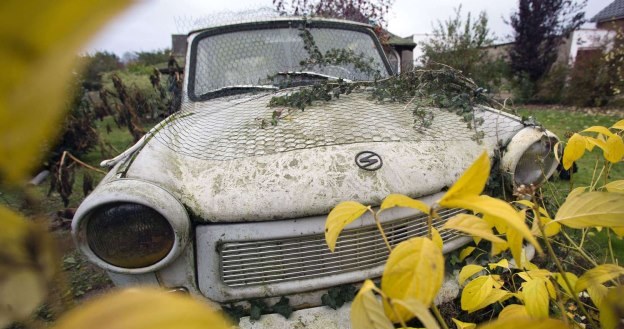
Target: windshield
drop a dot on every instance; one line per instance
(265, 57)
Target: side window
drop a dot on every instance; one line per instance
(393, 59)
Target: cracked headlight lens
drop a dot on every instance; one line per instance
(536, 162)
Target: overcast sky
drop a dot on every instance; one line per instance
(148, 24)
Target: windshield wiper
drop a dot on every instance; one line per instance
(312, 74)
(244, 87)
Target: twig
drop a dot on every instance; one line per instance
(79, 162)
(383, 234)
(438, 315)
(553, 256)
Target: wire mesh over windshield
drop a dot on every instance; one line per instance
(247, 58)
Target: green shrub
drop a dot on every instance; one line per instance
(551, 88)
(589, 82)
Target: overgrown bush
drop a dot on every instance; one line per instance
(538, 26)
(523, 89)
(614, 60)
(551, 89)
(459, 43)
(77, 134)
(595, 79)
(94, 66)
(589, 83)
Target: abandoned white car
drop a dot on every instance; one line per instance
(280, 121)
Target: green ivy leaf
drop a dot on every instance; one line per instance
(257, 308)
(283, 307)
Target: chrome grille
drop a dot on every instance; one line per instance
(250, 263)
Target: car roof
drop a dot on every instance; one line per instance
(251, 22)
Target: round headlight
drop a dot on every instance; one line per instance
(536, 163)
(129, 235)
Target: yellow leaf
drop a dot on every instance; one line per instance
(503, 263)
(143, 308)
(619, 231)
(598, 275)
(600, 130)
(551, 228)
(420, 311)
(615, 186)
(367, 311)
(612, 308)
(415, 269)
(528, 265)
(472, 225)
(514, 239)
(477, 293)
(619, 125)
(463, 325)
(498, 210)
(500, 226)
(465, 253)
(498, 282)
(520, 322)
(399, 200)
(468, 271)
(21, 291)
(495, 296)
(592, 209)
(27, 267)
(37, 61)
(531, 205)
(597, 293)
(591, 142)
(472, 180)
(576, 191)
(535, 274)
(342, 215)
(497, 248)
(614, 149)
(574, 150)
(535, 295)
(436, 238)
(572, 278)
(513, 311)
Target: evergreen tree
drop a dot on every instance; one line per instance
(539, 26)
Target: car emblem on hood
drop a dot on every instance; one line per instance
(368, 160)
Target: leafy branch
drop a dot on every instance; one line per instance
(440, 87)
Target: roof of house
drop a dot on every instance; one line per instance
(395, 40)
(613, 11)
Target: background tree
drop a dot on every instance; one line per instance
(460, 43)
(363, 11)
(153, 57)
(614, 59)
(539, 26)
(96, 64)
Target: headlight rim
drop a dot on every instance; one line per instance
(126, 191)
(517, 147)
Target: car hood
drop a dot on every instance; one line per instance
(226, 162)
